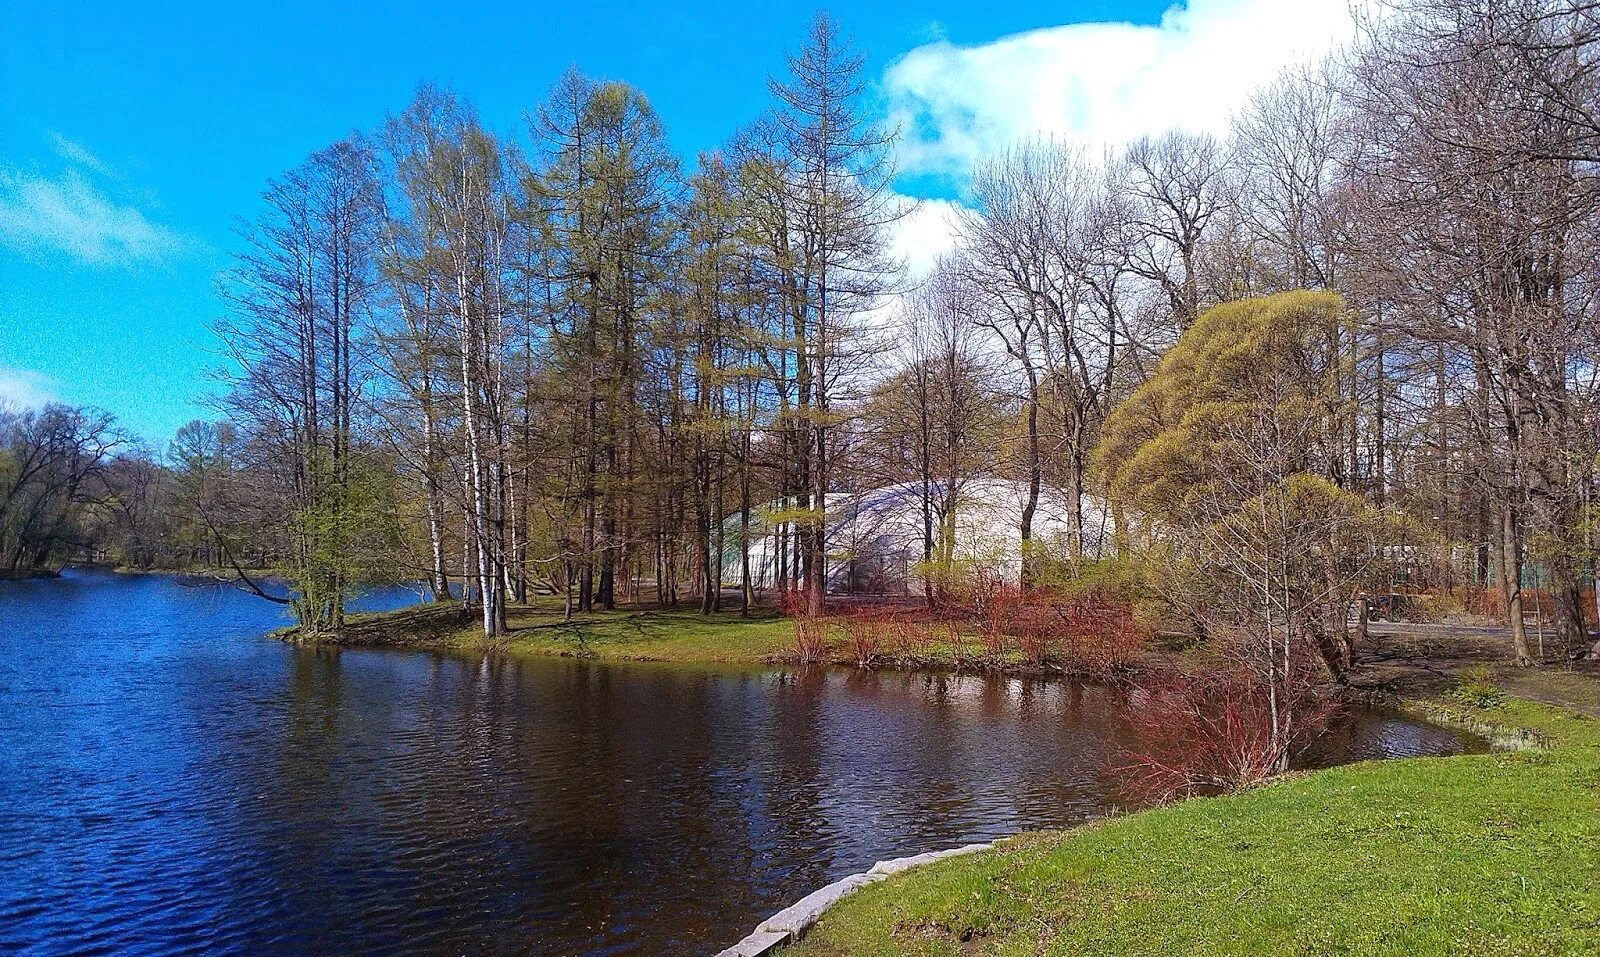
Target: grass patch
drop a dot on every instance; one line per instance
(643, 634)
(648, 634)
(1475, 688)
(1481, 854)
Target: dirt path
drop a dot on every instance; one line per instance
(1424, 659)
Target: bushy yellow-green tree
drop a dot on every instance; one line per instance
(1226, 459)
(1198, 419)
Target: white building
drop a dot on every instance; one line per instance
(875, 538)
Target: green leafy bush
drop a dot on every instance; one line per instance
(1476, 688)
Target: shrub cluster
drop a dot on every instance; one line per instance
(1078, 635)
(1219, 729)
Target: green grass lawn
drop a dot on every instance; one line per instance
(647, 634)
(642, 634)
(1483, 854)
(653, 635)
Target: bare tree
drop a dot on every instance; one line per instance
(1176, 184)
(51, 461)
(1474, 215)
(299, 296)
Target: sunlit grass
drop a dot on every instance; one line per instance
(1483, 854)
(541, 628)
(649, 634)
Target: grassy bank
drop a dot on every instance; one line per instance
(871, 638)
(1484, 854)
(626, 634)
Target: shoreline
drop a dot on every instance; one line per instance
(953, 906)
(37, 574)
(928, 905)
(793, 922)
(789, 927)
(663, 635)
(1386, 847)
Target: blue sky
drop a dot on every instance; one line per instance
(133, 135)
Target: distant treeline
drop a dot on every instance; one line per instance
(76, 488)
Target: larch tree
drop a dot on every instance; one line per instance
(607, 183)
(835, 172)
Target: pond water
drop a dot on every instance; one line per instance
(173, 782)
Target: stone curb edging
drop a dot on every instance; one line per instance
(791, 923)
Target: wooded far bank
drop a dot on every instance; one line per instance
(1348, 350)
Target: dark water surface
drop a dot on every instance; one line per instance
(172, 782)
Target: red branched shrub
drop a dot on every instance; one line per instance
(949, 634)
(1035, 643)
(1097, 637)
(997, 617)
(811, 638)
(909, 639)
(1538, 604)
(1483, 602)
(810, 631)
(865, 635)
(1215, 731)
(1083, 635)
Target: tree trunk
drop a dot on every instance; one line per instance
(1511, 584)
(1025, 579)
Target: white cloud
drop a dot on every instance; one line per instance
(917, 239)
(22, 389)
(68, 214)
(1101, 84)
(921, 236)
(75, 152)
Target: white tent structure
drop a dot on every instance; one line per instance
(875, 538)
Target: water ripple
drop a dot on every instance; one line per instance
(171, 782)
